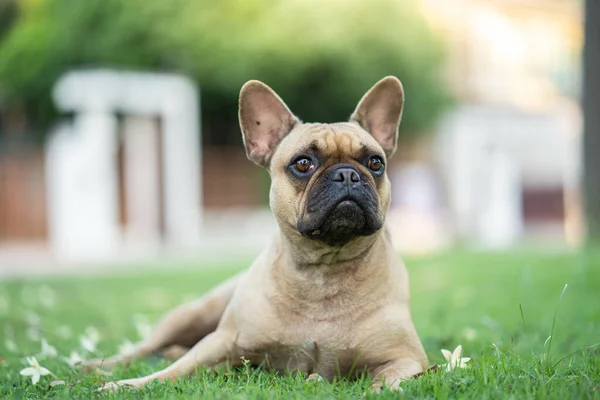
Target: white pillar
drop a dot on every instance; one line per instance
(82, 188)
(182, 167)
(85, 220)
(141, 146)
(500, 220)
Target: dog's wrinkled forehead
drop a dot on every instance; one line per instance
(331, 141)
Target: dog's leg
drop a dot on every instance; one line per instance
(174, 352)
(212, 351)
(391, 374)
(185, 326)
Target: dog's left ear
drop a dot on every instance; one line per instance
(379, 112)
(264, 120)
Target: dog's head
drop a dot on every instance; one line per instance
(329, 181)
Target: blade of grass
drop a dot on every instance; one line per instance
(522, 316)
(576, 352)
(549, 340)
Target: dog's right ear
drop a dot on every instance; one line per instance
(264, 120)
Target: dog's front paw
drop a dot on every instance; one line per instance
(108, 387)
(127, 383)
(314, 378)
(393, 385)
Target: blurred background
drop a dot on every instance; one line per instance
(119, 139)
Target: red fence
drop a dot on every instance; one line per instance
(22, 196)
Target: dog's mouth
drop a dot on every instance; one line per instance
(338, 222)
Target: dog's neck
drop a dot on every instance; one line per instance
(307, 253)
(309, 272)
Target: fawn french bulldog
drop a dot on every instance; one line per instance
(329, 295)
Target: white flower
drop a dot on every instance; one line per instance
(90, 339)
(93, 334)
(143, 327)
(34, 370)
(73, 359)
(314, 378)
(87, 344)
(454, 358)
(127, 347)
(47, 350)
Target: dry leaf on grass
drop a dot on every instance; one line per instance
(433, 368)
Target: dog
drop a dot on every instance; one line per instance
(329, 296)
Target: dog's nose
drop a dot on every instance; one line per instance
(345, 175)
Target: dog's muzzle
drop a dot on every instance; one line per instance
(341, 206)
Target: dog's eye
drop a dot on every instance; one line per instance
(303, 165)
(375, 164)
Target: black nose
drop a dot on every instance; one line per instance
(345, 175)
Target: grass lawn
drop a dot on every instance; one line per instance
(502, 308)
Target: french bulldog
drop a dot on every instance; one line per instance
(329, 296)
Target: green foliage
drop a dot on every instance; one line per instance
(320, 56)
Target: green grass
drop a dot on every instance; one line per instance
(501, 307)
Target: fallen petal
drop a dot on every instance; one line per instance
(447, 354)
(463, 362)
(127, 347)
(93, 334)
(457, 352)
(314, 378)
(29, 371)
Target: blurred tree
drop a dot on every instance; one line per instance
(8, 14)
(591, 100)
(319, 56)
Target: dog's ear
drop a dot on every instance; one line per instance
(379, 112)
(264, 120)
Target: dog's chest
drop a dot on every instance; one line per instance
(326, 348)
(324, 328)
(310, 355)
